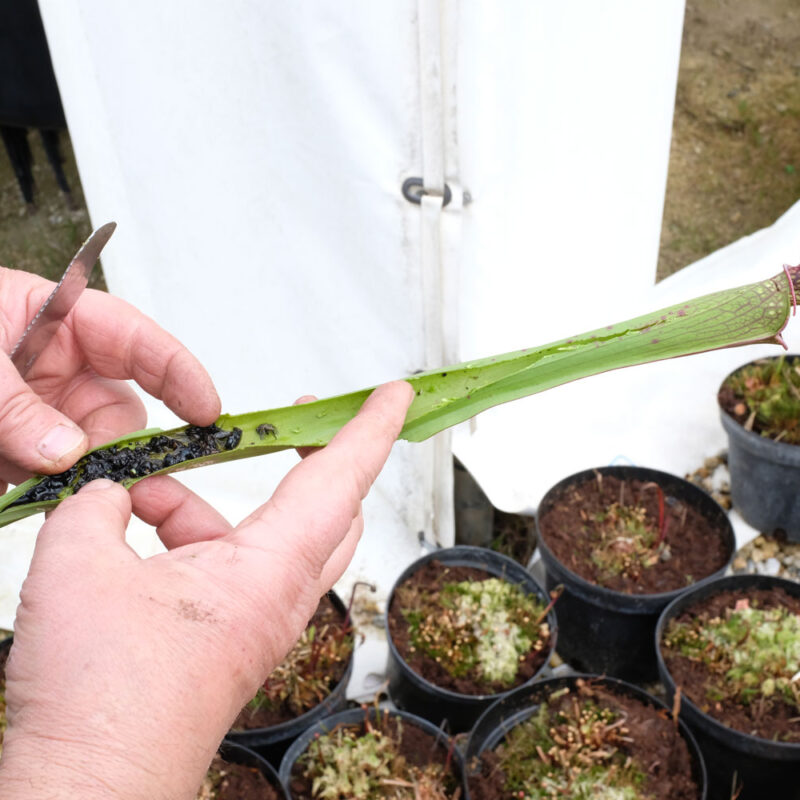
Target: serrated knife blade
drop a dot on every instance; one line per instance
(49, 317)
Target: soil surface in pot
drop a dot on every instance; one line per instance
(625, 535)
(764, 397)
(307, 675)
(736, 656)
(584, 742)
(438, 637)
(228, 781)
(384, 758)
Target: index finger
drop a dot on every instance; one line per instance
(314, 505)
(119, 341)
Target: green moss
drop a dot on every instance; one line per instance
(478, 628)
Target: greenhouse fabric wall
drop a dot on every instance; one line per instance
(253, 155)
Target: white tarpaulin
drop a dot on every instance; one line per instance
(253, 155)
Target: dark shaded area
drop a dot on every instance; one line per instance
(29, 96)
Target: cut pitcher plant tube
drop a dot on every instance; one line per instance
(756, 313)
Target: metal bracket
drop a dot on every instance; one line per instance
(414, 190)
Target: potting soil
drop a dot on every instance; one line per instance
(693, 548)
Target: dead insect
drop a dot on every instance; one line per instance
(233, 439)
(265, 428)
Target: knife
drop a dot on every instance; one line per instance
(49, 317)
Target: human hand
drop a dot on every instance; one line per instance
(126, 673)
(75, 396)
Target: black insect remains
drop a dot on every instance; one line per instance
(265, 429)
(120, 463)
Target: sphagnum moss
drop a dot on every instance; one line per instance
(751, 654)
(480, 627)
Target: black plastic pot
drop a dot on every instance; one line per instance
(238, 754)
(271, 742)
(608, 632)
(764, 476)
(409, 690)
(766, 769)
(356, 716)
(521, 704)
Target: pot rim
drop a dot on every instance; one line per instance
(459, 553)
(227, 748)
(739, 739)
(610, 598)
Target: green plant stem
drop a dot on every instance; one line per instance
(756, 313)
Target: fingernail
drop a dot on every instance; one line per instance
(60, 441)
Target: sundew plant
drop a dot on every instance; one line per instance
(349, 764)
(480, 628)
(305, 676)
(572, 748)
(625, 541)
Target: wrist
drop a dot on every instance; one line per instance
(34, 768)
(28, 772)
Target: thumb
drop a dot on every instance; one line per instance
(33, 435)
(86, 529)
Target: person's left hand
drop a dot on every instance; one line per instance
(125, 673)
(76, 396)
